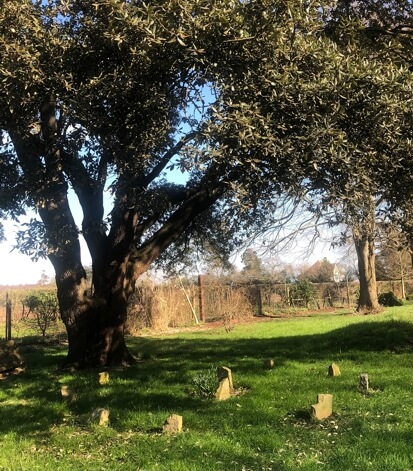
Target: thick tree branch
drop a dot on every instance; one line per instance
(90, 195)
(144, 180)
(124, 218)
(398, 30)
(178, 222)
(26, 148)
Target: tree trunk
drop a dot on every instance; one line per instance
(95, 329)
(95, 323)
(97, 337)
(368, 300)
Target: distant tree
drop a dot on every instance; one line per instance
(377, 23)
(44, 279)
(217, 266)
(288, 274)
(276, 269)
(253, 265)
(393, 264)
(376, 134)
(321, 271)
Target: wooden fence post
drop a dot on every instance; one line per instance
(8, 317)
(201, 297)
(348, 292)
(259, 301)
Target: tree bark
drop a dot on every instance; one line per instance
(97, 337)
(95, 319)
(364, 234)
(95, 323)
(368, 300)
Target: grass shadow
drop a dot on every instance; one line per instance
(393, 336)
(31, 402)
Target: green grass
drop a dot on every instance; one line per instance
(266, 428)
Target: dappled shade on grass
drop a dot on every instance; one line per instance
(266, 427)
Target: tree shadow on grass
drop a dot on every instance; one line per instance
(394, 336)
(31, 402)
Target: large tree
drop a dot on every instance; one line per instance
(373, 117)
(110, 94)
(366, 106)
(241, 97)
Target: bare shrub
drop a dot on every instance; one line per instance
(161, 306)
(227, 303)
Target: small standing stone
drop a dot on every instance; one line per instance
(224, 372)
(334, 370)
(10, 357)
(173, 424)
(323, 408)
(103, 378)
(269, 364)
(100, 416)
(364, 382)
(67, 393)
(224, 390)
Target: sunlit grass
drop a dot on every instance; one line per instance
(265, 427)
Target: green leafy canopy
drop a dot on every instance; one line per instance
(248, 99)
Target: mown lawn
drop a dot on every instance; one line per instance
(264, 428)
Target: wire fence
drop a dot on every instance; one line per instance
(174, 304)
(15, 319)
(179, 303)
